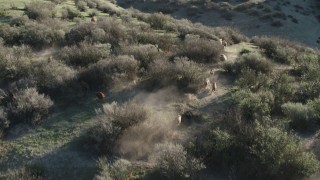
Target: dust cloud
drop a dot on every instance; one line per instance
(138, 142)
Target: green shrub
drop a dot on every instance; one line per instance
(314, 106)
(230, 34)
(303, 116)
(115, 119)
(15, 62)
(233, 146)
(157, 20)
(251, 80)
(110, 72)
(40, 10)
(31, 171)
(145, 53)
(164, 42)
(252, 61)
(310, 81)
(125, 115)
(94, 13)
(101, 138)
(187, 75)
(4, 123)
(106, 8)
(70, 13)
(283, 90)
(306, 61)
(84, 54)
(34, 34)
(244, 51)
(299, 115)
(120, 169)
(92, 4)
(7, 33)
(114, 32)
(58, 1)
(279, 50)
(99, 35)
(173, 162)
(81, 5)
(201, 50)
(53, 74)
(254, 106)
(28, 106)
(19, 21)
(79, 33)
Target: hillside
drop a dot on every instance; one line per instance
(296, 20)
(93, 89)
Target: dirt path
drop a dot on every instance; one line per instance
(215, 101)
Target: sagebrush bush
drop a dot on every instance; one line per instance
(251, 80)
(254, 106)
(145, 53)
(234, 146)
(187, 75)
(28, 106)
(91, 4)
(120, 169)
(15, 62)
(19, 21)
(201, 50)
(7, 33)
(157, 20)
(4, 122)
(112, 71)
(299, 115)
(116, 118)
(53, 74)
(106, 8)
(84, 54)
(40, 10)
(310, 83)
(31, 171)
(280, 50)
(283, 90)
(125, 115)
(303, 116)
(58, 1)
(164, 42)
(79, 33)
(252, 61)
(69, 13)
(81, 5)
(113, 32)
(314, 106)
(38, 35)
(173, 162)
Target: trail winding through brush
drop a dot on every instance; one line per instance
(212, 102)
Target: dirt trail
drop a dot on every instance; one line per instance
(233, 51)
(211, 102)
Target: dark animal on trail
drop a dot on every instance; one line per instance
(100, 95)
